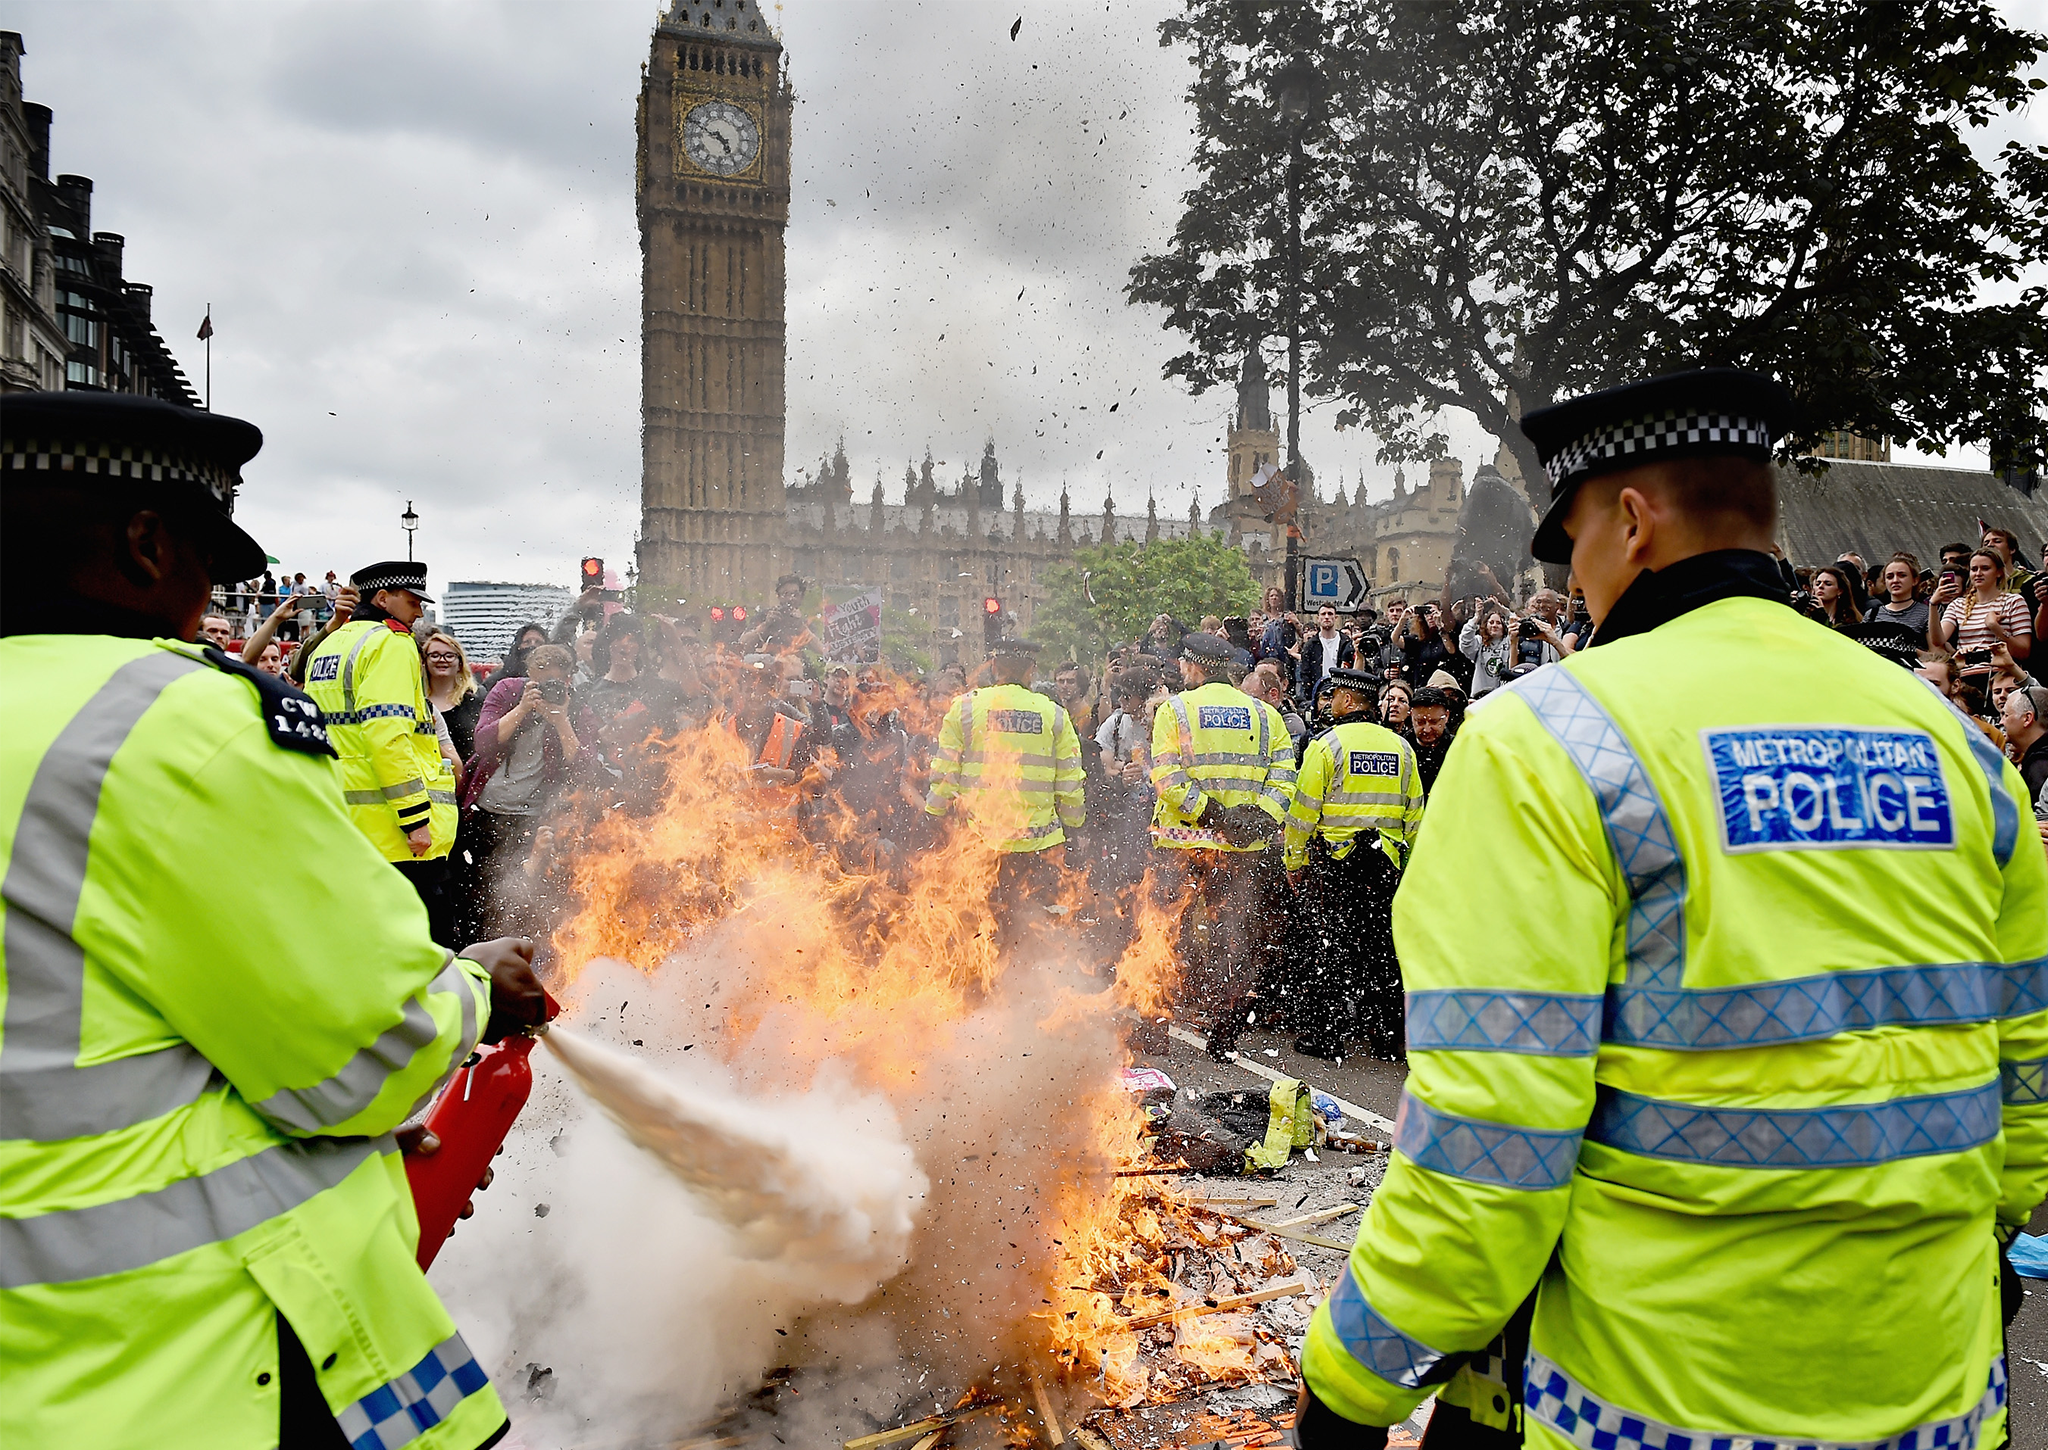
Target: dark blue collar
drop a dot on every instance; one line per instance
(1659, 596)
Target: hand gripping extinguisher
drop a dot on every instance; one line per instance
(471, 1118)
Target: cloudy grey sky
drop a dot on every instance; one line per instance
(414, 223)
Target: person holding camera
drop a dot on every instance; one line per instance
(783, 627)
(529, 737)
(1988, 614)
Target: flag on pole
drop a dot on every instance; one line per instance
(206, 328)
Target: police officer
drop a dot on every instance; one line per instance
(1010, 756)
(1223, 764)
(368, 679)
(204, 1234)
(1353, 815)
(1741, 1061)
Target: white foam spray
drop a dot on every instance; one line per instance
(833, 1190)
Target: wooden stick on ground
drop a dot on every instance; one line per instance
(928, 1441)
(1223, 1306)
(1321, 1215)
(1283, 1232)
(918, 1428)
(1054, 1435)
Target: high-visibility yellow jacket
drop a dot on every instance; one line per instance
(369, 683)
(196, 1097)
(1743, 1063)
(1355, 777)
(1216, 743)
(1012, 756)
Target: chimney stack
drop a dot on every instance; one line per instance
(76, 193)
(37, 115)
(108, 245)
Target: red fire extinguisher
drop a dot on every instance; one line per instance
(471, 1118)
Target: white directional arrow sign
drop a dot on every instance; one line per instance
(1339, 583)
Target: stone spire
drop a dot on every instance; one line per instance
(1108, 518)
(875, 507)
(841, 490)
(1151, 519)
(1195, 512)
(1066, 534)
(1254, 394)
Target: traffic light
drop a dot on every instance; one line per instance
(725, 622)
(991, 621)
(592, 573)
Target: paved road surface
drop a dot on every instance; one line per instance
(1376, 1086)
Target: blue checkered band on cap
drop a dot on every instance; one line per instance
(108, 460)
(1674, 428)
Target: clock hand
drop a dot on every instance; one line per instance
(723, 142)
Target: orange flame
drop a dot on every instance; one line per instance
(881, 959)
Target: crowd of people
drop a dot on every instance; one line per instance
(589, 698)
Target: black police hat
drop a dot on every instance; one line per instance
(393, 574)
(1349, 679)
(1206, 649)
(1708, 412)
(1015, 648)
(162, 453)
(1894, 641)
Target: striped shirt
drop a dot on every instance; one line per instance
(1968, 621)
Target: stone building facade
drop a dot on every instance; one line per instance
(69, 317)
(1403, 543)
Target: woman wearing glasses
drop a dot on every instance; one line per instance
(452, 688)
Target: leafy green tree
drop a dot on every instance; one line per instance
(1508, 201)
(1131, 583)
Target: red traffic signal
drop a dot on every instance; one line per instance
(991, 605)
(739, 613)
(718, 614)
(592, 573)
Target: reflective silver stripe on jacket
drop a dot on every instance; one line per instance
(1375, 1343)
(70, 1244)
(348, 672)
(1557, 1401)
(1638, 827)
(355, 1087)
(1534, 1159)
(1847, 1135)
(2005, 811)
(45, 1096)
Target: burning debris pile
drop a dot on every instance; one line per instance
(916, 1140)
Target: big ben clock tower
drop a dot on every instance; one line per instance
(713, 195)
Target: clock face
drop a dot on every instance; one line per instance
(721, 138)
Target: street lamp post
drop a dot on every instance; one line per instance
(1298, 89)
(411, 522)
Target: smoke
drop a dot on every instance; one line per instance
(851, 1178)
(828, 1187)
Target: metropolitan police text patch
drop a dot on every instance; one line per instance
(326, 667)
(1224, 717)
(1789, 787)
(1375, 762)
(1017, 722)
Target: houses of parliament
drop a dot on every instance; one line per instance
(720, 519)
